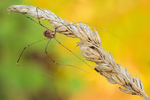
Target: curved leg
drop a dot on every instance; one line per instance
(73, 53)
(39, 19)
(27, 47)
(59, 63)
(35, 69)
(33, 19)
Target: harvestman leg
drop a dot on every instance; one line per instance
(70, 50)
(39, 19)
(59, 63)
(73, 53)
(31, 68)
(25, 49)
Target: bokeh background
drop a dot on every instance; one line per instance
(124, 28)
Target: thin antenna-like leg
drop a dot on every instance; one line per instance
(32, 68)
(35, 69)
(38, 15)
(26, 47)
(73, 53)
(59, 63)
(31, 19)
(39, 18)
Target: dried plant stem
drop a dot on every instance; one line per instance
(91, 49)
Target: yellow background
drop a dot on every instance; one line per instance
(124, 28)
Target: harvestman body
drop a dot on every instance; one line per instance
(49, 34)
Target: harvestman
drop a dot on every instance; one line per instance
(49, 34)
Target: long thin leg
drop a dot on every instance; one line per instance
(39, 19)
(26, 47)
(35, 69)
(31, 19)
(59, 63)
(73, 53)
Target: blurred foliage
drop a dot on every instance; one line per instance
(123, 26)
